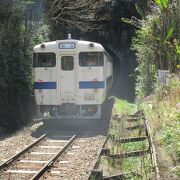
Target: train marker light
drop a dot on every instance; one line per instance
(95, 81)
(40, 81)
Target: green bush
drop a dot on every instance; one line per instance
(157, 44)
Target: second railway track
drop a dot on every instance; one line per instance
(130, 143)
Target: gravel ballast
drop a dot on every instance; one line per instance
(14, 143)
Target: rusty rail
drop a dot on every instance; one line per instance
(152, 150)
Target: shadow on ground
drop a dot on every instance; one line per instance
(81, 128)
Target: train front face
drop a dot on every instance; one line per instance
(69, 79)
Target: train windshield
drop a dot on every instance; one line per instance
(44, 59)
(91, 59)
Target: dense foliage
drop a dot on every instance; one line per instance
(17, 37)
(22, 25)
(162, 108)
(157, 43)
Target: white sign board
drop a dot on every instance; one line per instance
(163, 77)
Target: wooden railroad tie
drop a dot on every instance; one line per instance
(98, 174)
(121, 176)
(117, 117)
(105, 152)
(135, 127)
(133, 139)
(130, 154)
(133, 119)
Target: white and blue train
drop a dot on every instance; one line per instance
(72, 78)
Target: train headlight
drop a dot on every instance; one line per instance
(91, 45)
(43, 45)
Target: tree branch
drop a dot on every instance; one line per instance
(82, 14)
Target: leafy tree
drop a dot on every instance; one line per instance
(17, 38)
(157, 42)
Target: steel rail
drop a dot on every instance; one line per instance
(152, 150)
(16, 156)
(52, 160)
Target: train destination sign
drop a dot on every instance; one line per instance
(67, 45)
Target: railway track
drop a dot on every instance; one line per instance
(61, 158)
(33, 161)
(78, 158)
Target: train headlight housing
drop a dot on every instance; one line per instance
(43, 45)
(89, 96)
(89, 110)
(91, 45)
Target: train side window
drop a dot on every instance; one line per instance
(91, 59)
(67, 63)
(44, 59)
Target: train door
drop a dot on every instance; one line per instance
(67, 85)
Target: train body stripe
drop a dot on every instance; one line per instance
(91, 85)
(82, 85)
(44, 85)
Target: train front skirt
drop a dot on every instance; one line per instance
(67, 111)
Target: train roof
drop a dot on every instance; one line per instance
(77, 45)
